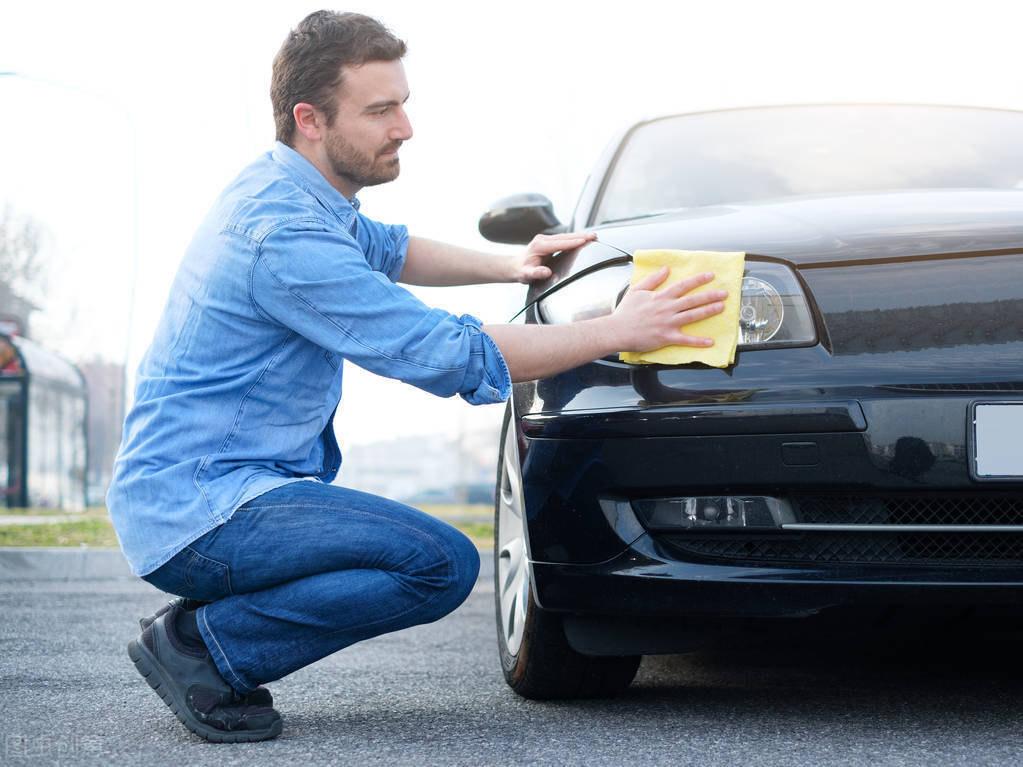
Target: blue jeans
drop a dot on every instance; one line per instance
(304, 570)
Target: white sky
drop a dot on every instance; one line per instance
(506, 97)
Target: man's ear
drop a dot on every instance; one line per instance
(308, 121)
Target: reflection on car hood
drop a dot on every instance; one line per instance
(836, 228)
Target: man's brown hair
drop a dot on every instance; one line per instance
(307, 68)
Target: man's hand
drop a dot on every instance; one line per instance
(532, 265)
(650, 319)
(645, 319)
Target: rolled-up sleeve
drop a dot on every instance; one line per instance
(486, 376)
(318, 282)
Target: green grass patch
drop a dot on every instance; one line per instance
(92, 511)
(92, 527)
(464, 517)
(480, 533)
(97, 532)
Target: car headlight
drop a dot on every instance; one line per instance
(773, 309)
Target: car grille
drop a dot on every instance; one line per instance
(943, 509)
(875, 545)
(926, 327)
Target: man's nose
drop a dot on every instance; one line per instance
(402, 128)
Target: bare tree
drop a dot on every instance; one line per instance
(21, 256)
(22, 268)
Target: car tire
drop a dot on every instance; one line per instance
(536, 659)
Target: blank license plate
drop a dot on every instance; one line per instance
(998, 440)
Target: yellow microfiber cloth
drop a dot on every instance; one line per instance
(723, 328)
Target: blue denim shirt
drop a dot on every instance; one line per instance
(283, 282)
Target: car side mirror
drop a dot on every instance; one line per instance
(519, 218)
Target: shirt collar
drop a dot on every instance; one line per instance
(314, 182)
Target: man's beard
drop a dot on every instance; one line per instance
(358, 167)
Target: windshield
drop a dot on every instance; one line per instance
(757, 154)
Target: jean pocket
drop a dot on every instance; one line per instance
(190, 574)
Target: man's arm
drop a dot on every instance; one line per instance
(644, 320)
(428, 262)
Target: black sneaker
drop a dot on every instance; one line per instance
(258, 697)
(188, 681)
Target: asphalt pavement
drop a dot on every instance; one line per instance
(434, 695)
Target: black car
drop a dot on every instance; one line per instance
(864, 453)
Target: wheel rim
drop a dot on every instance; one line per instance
(512, 569)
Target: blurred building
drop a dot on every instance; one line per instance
(426, 469)
(43, 451)
(105, 384)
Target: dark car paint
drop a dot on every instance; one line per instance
(817, 231)
(878, 406)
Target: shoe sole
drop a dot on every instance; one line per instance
(147, 666)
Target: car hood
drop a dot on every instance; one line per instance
(836, 228)
(860, 257)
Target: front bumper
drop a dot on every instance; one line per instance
(644, 602)
(886, 450)
(645, 580)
